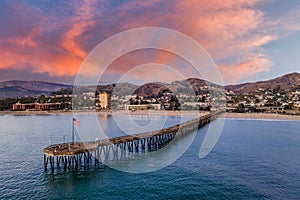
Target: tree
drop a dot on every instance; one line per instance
(42, 99)
(6, 104)
(241, 107)
(287, 107)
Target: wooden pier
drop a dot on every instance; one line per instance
(72, 155)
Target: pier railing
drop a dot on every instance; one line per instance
(72, 155)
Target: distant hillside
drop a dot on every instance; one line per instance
(189, 86)
(119, 89)
(36, 85)
(13, 89)
(286, 82)
(151, 89)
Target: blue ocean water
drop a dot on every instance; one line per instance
(252, 159)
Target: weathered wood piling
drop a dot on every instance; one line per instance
(88, 154)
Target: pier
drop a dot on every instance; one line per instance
(90, 154)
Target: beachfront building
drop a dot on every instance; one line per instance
(36, 106)
(23, 106)
(105, 100)
(47, 106)
(143, 107)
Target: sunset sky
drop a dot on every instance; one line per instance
(249, 40)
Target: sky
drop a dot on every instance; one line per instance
(248, 40)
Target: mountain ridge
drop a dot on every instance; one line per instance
(15, 88)
(284, 82)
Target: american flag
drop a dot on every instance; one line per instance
(76, 122)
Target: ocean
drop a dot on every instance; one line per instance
(253, 159)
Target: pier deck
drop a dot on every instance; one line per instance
(71, 155)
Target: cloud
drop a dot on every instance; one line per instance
(54, 39)
(246, 68)
(44, 42)
(163, 73)
(230, 31)
(28, 75)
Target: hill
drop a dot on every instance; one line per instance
(288, 82)
(188, 86)
(14, 89)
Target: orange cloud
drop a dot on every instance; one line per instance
(228, 30)
(59, 57)
(233, 32)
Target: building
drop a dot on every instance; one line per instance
(23, 106)
(143, 107)
(47, 106)
(105, 100)
(36, 106)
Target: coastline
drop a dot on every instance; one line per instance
(105, 112)
(153, 112)
(271, 116)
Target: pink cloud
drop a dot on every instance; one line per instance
(227, 29)
(233, 32)
(59, 54)
(246, 68)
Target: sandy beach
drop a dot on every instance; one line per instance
(263, 116)
(157, 112)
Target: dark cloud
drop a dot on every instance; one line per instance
(28, 75)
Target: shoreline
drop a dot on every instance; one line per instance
(153, 112)
(262, 116)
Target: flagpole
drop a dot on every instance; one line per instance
(72, 130)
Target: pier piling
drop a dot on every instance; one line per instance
(70, 155)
